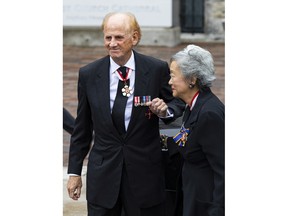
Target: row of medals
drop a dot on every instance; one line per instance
(138, 100)
(127, 91)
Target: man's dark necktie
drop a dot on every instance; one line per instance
(118, 111)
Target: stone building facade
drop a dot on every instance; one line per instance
(212, 13)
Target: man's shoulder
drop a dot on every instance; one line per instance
(98, 62)
(146, 58)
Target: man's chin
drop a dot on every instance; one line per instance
(114, 53)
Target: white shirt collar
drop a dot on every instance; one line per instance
(130, 64)
(194, 101)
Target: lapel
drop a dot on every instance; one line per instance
(204, 95)
(142, 77)
(101, 89)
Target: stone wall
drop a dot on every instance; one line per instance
(214, 18)
(214, 29)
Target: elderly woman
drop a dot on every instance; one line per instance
(201, 138)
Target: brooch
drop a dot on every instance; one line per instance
(181, 137)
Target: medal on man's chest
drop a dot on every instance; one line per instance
(126, 90)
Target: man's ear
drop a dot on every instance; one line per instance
(135, 38)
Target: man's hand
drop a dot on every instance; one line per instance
(74, 187)
(158, 107)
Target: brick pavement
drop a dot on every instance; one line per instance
(76, 57)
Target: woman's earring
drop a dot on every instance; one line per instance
(191, 85)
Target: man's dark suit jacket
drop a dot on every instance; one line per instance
(68, 121)
(140, 149)
(203, 155)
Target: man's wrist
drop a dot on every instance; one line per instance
(169, 114)
(72, 174)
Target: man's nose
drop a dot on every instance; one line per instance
(113, 42)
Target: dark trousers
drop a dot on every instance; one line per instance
(126, 204)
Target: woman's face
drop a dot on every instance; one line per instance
(179, 86)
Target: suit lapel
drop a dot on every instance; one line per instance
(202, 98)
(142, 77)
(102, 85)
(102, 91)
